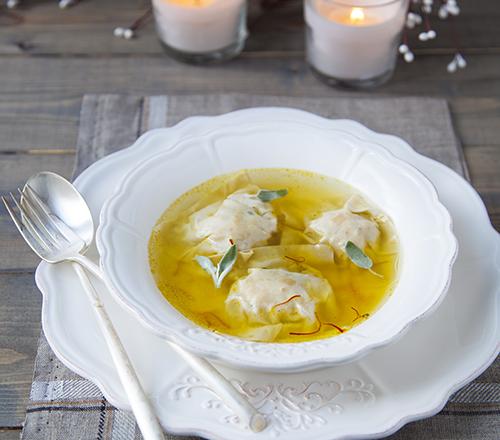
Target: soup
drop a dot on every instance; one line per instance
(274, 255)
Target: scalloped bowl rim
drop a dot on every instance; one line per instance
(221, 348)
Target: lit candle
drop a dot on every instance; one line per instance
(354, 42)
(215, 28)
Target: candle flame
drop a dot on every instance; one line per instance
(191, 3)
(357, 15)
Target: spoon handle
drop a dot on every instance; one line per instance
(141, 406)
(224, 389)
(88, 264)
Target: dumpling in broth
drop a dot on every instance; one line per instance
(339, 226)
(241, 217)
(272, 296)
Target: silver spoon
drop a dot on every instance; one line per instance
(57, 224)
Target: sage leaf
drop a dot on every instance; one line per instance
(357, 256)
(207, 265)
(268, 196)
(226, 264)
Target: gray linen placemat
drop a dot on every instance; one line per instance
(64, 406)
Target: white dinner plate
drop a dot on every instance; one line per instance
(408, 380)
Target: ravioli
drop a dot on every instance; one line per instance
(242, 218)
(339, 226)
(272, 296)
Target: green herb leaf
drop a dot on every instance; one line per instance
(207, 265)
(357, 256)
(223, 268)
(268, 196)
(226, 264)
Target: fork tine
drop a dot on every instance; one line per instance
(30, 226)
(41, 223)
(25, 233)
(41, 210)
(13, 215)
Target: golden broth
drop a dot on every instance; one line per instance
(357, 292)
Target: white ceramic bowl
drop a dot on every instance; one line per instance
(200, 148)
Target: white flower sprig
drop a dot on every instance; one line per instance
(458, 62)
(63, 4)
(129, 32)
(420, 13)
(428, 33)
(449, 7)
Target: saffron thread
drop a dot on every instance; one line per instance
(358, 315)
(287, 301)
(320, 324)
(331, 324)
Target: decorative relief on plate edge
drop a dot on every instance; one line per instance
(286, 407)
(272, 350)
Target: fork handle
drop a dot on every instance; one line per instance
(141, 406)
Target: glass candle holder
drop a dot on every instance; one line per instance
(354, 43)
(201, 31)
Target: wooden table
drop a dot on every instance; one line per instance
(50, 60)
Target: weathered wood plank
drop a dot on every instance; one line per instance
(31, 124)
(289, 75)
(14, 171)
(10, 434)
(19, 331)
(87, 29)
(477, 119)
(484, 167)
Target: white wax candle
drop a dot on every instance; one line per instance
(354, 42)
(198, 26)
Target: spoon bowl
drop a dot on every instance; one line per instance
(65, 202)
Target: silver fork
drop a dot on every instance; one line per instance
(47, 235)
(53, 241)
